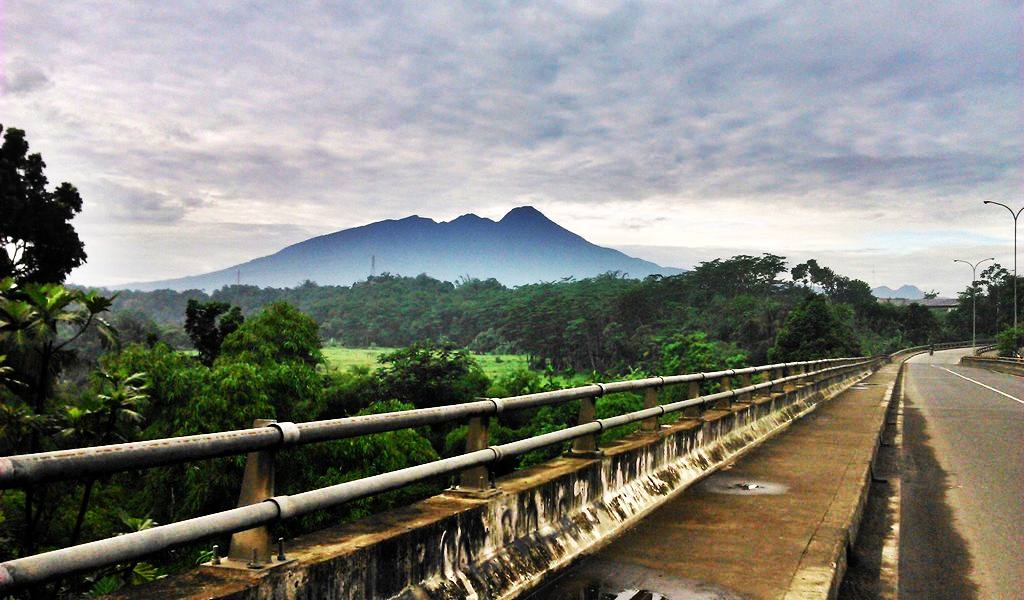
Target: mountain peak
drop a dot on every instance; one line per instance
(524, 247)
(524, 213)
(468, 218)
(907, 291)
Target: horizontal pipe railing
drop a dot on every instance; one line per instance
(81, 463)
(939, 346)
(39, 568)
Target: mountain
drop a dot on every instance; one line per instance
(523, 247)
(910, 292)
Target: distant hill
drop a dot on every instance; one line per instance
(910, 292)
(523, 247)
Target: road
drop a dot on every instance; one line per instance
(962, 510)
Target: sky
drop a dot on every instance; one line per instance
(866, 134)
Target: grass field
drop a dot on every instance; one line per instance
(493, 365)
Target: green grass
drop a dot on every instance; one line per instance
(493, 365)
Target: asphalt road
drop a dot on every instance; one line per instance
(962, 511)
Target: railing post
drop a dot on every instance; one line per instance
(746, 381)
(476, 478)
(774, 374)
(725, 384)
(692, 391)
(252, 546)
(789, 386)
(586, 445)
(650, 401)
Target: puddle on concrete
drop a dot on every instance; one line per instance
(596, 578)
(743, 486)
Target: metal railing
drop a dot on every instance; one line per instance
(927, 347)
(31, 469)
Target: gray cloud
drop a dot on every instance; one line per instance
(21, 79)
(138, 204)
(323, 117)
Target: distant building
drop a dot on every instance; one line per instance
(938, 304)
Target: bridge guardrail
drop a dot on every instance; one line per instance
(1013, 366)
(30, 469)
(926, 347)
(93, 461)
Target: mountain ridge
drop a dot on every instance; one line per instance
(524, 246)
(910, 292)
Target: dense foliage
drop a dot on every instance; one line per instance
(207, 324)
(37, 240)
(608, 323)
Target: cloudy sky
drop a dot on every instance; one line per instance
(863, 133)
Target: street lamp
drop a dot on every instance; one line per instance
(974, 296)
(1015, 215)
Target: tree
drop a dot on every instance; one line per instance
(431, 374)
(693, 353)
(814, 330)
(739, 274)
(280, 333)
(101, 420)
(1010, 340)
(208, 323)
(837, 287)
(919, 324)
(37, 240)
(37, 324)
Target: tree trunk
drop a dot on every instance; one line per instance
(82, 508)
(87, 493)
(38, 406)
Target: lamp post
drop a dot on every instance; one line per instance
(1015, 215)
(974, 296)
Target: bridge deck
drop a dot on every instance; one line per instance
(720, 540)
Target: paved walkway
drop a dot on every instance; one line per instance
(778, 539)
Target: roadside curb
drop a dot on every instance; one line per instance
(889, 574)
(823, 565)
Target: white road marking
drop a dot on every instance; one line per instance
(988, 387)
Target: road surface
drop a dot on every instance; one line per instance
(962, 513)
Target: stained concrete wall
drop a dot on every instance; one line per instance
(452, 546)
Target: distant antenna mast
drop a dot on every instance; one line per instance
(373, 265)
(238, 277)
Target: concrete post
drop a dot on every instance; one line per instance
(650, 401)
(586, 445)
(789, 386)
(476, 478)
(253, 545)
(692, 391)
(776, 374)
(725, 384)
(745, 381)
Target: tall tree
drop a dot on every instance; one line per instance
(814, 330)
(38, 322)
(208, 323)
(37, 240)
(279, 333)
(101, 419)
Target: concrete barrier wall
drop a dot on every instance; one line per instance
(542, 518)
(1003, 365)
